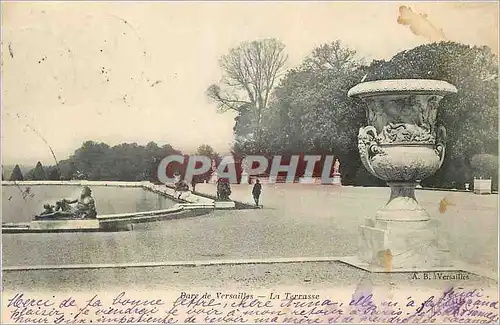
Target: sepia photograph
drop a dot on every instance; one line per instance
(255, 162)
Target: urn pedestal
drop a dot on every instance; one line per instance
(213, 178)
(244, 178)
(337, 180)
(177, 178)
(307, 178)
(395, 246)
(402, 145)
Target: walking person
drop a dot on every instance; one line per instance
(257, 189)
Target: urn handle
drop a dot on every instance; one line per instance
(368, 146)
(441, 144)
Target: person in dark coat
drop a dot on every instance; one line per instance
(257, 189)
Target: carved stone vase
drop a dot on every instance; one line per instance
(400, 145)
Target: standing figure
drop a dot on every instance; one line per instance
(218, 188)
(336, 173)
(336, 167)
(257, 189)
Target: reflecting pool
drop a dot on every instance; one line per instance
(21, 203)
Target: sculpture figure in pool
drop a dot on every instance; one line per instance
(84, 208)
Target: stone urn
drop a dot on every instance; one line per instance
(400, 145)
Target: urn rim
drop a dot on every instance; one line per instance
(427, 144)
(377, 87)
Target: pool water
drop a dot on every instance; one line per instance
(21, 203)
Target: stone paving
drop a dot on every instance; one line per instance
(309, 276)
(298, 220)
(323, 220)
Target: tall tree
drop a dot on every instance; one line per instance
(54, 174)
(92, 159)
(67, 168)
(470, 116)
(207, 151)
(123, 162)
(311, 113)
(17, 174)
(250, 72)
(39, 172)
(333, 56)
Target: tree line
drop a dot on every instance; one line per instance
(123, 162)
(306, 110)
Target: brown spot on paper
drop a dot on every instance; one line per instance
(385, 258)
(443, 204)
(420, 25)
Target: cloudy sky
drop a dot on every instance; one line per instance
(137, 72)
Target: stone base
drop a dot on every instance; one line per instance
(356, 261)
(398, 245)
(213, 178)
(482, 186)
(402, 205)
(224, 205)
(244, 179)
(307, 180)
(337, 180)
(404, 209)
(65, 224)
(262, 180)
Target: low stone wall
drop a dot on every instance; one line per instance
(283, 179)
(106, 223)
(117, 223)
(189, 205)
(77, 183)
(168, 191)
(223, 205)
(183, 197)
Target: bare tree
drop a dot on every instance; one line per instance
(333, 56)
(250, 72)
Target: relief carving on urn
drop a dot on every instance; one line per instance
(402, 143)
